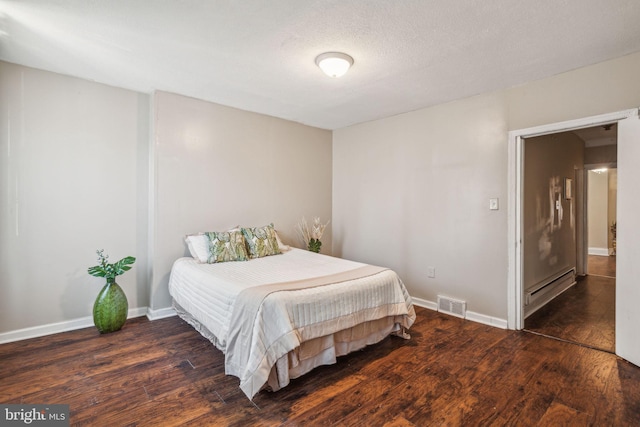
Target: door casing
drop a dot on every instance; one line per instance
(515, 308)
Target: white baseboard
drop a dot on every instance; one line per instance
(54, 328)
(161, 313)
(487, 320)
(86, 322)
(599, 251)
(425, 303)
(470, 315)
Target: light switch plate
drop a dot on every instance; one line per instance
(493, 204)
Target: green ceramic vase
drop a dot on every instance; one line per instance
(111, 308)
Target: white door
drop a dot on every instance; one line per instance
(628, 241)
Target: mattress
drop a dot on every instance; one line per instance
(288, 332)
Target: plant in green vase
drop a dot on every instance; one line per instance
(311, 235)
(111, 307)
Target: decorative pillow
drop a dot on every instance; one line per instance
(198, 245)
(226, 246)
(261, 241)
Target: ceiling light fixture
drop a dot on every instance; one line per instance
(334, 64)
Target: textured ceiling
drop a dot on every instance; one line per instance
(259, 55)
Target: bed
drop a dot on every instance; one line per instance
(277, 317)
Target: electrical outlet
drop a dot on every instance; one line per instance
(431, 272)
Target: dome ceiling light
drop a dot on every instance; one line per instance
(334, 64)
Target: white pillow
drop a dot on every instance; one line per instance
(198, 245)
(282, 246)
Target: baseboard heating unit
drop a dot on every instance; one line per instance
(543, 292)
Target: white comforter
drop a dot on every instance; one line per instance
(208, 293)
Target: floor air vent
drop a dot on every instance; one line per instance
(452, 306)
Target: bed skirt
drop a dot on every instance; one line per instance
(318, 351)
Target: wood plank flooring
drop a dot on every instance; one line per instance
(585, 313)
(452, 372)
(601, 265)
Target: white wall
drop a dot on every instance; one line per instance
(80, 172)
(409, 191)
(598, 208)
(218, 167)
(69, 185)
(412, 191)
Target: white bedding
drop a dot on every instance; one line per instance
(208, 292)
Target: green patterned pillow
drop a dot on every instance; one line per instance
(261, 241)
(226, 246)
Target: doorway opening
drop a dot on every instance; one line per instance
(574, 308)
(515, 290)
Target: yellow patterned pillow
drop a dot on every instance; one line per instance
(261, 241)
(226, 246)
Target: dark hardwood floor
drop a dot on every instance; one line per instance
(452, 372)
(585, 313)
(602, 265)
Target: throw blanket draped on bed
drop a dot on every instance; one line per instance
(250, 352)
